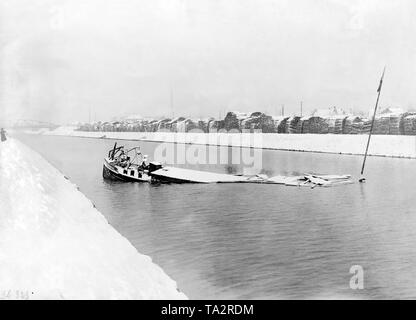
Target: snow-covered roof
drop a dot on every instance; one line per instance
(205, 119)
(279, 118)
(352, 117)
(176, 119)
(240, 115)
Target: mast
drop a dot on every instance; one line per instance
(362, 179)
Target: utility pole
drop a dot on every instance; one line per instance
(301, 108)
(283, 110)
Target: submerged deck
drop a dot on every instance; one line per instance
(181, 175)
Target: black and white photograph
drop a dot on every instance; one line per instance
(215, 150)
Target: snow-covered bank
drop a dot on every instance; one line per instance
(55, 245)
(381, 145)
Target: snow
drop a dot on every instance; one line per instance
(196, 176)
(55, 245)
(381, 145)
(37, 131)
(311, 180)
(241, 115)
(279, 118)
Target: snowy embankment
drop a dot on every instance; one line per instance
(381, 145)
(55, 245)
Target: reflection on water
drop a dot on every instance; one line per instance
(261, 241)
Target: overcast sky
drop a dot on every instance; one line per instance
(62, 58)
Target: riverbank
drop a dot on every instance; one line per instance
(397, 146)
(54, 243)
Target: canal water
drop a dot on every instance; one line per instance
(253, 241)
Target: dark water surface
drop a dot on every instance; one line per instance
(261, 241)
